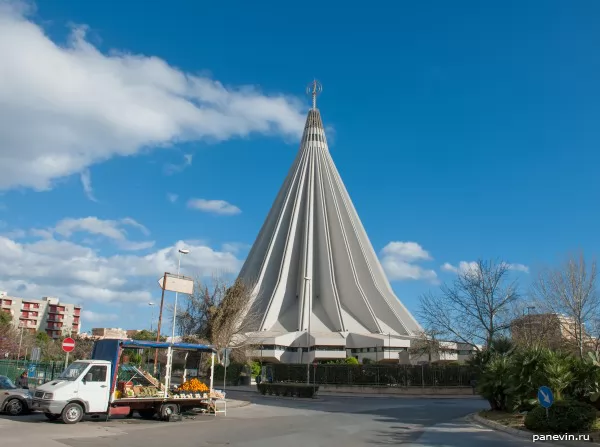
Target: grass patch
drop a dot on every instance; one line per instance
(512, 420)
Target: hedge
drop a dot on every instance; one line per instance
(288, 389)
(563, 416)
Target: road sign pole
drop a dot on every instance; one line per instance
(68, 344)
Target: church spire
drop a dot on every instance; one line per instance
(314, 89)
(312, 266)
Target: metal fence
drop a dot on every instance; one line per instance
(377, 375)
(37, 372)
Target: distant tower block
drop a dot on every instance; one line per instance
(312, 258)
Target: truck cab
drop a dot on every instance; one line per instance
(82, 388)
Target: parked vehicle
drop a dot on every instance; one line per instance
(102, 385)
(14, 401)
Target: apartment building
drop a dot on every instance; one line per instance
(551, 330)
(47, 315)
(112, 332)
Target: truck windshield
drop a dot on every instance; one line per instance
(73, 371)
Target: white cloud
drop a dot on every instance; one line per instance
(518, 268)
(399, 260)
(464, 266)
(40, 233)
(235, 247)
(94, 317)
(172, 198)
(83, 107)
(111, 229)
(79, 274)
(86, 182)
(214, 206)
(173, 168)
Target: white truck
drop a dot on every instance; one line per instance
(89, 387)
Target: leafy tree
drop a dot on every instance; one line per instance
(146, 335)
(5, 319)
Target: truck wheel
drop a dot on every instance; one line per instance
(147, 414)
(167, 410)
(72, 413)
(15, 407)
(52, 417)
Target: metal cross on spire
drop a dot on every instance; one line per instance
(314, 88)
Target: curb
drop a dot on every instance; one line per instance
(524, 434)
(242, 404)
(238, 404)
(499, 427)
(401, 396)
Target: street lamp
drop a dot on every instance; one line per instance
(182, 251)
(151, 304)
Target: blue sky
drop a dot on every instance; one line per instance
(467, 128)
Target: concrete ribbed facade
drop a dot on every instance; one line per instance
(314, 270)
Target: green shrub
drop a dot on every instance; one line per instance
(494, 382)
(558, 372)
(233, 372)
(256, 368)
(563, 416)
(527, 374)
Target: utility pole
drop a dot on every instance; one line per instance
(160, 312)
(182, 251)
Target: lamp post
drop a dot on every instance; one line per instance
(151, 304)
(182, 251)
(309, 294)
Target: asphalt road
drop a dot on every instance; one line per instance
(273, 422)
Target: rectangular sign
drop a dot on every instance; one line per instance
(35, 354)
(180, 284)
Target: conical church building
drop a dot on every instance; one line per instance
(318, 288)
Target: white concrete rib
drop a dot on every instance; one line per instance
(313, 230)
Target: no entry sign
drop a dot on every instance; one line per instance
(68, 344)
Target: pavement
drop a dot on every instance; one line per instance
(253, 420)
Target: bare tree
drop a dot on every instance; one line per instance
(234, 318)
(83, 348)
(9, 336)
(194, 319)
(428, 344)
(537, 329)
(220, 313)
(475, 308)
(570, 293)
